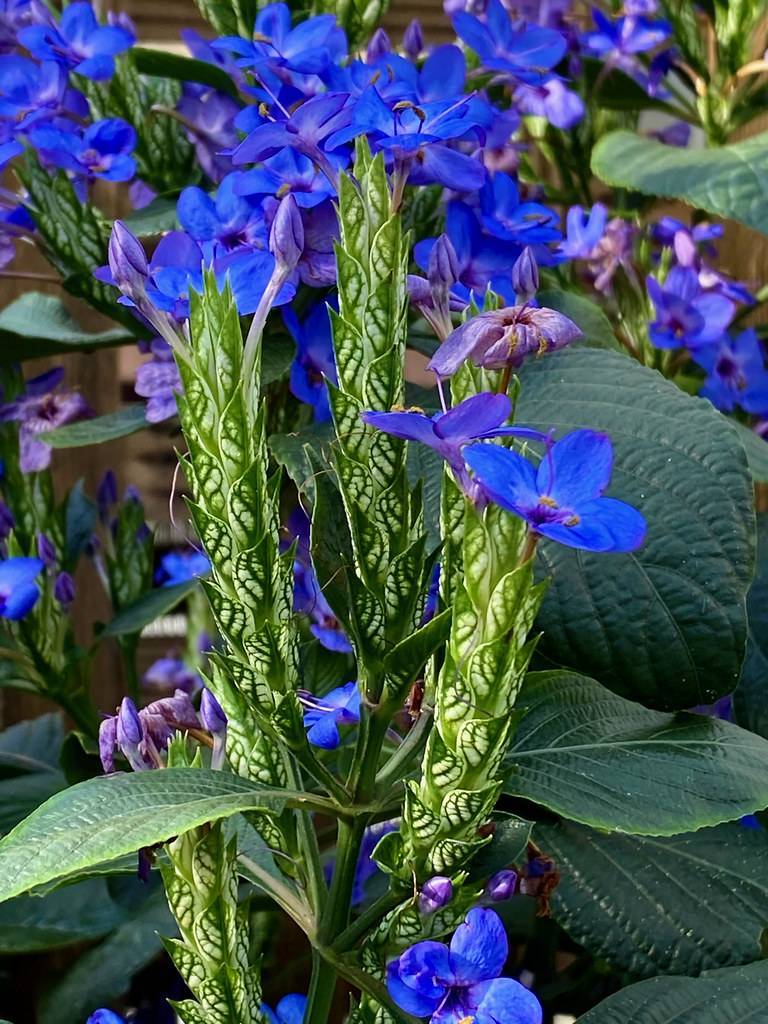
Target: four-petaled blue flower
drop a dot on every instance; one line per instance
(325, 714)
(460, 983)
(227, 219)
(562, 499)
(507, 216)
(30, 92)
(78, 41)
(524, 54)
(583, 231)
(18, 590)
(102, 151)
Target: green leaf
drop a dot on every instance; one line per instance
(290, 450)
(729, 181)
(96, 431)
(666, 624)
(677, 905)
(149, 607)
(105, 972)
(587, 315)
(425, 465)
(35, 743)
(79, 524)
(75, 913)
(277, 352)
(163, 64)
(154, 218)
(508, 847)
(611, 89)
(756, 449)
(21, 795)
(604, 761)
(38, 325)
(735, 995)
(107, 817)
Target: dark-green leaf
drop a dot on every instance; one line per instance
(587, 315)
(38, 325)
(677, 905)
(96, 431)
(157, 602)
(75, 913)
(163, 64)
(604, 761)
(735, 995)
(729, 181)
(666, 624)
(107, 817)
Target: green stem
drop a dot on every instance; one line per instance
(393, 770)
(335, 916)
(366, 921)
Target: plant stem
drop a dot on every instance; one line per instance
(411, 745)
(335, 916)
(347, 939)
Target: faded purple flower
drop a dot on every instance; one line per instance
(41, 408)
(159, 381)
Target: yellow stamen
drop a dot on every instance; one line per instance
(573, 520)
(545, 499)
(467, 1020)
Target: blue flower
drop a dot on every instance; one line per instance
(476, 418)
(228, 218)
(736, 373)
(78, 42)
(314, 362)
(339, 707)
(181, 567)
(105, 1017)
(458, 983)
(159, 381)
(507, 216)
(482, 260)
(583, 231)
(562, 500)
(307, 49)
(18, 590)
(171, 674)
(288, 172)
(100, 152)
(306, 130)
(524, 54)
(618, 41)
(552, 100)
(290, 1009)
(687, 316)
(209, 119)
(42, 407)
(30, 92)
(308, 598)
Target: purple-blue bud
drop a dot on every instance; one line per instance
(435, 893)
(525, 275)
(413, 39)
(502, 885)
(7, 522)
(379, 46)
(64, 589)
(106, 494)
(129, 730)
(132, 493)
(443, 266)
(46, 551)
(127, 260)
(211, 714)
(286, 236)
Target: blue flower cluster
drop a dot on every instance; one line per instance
(695, 306)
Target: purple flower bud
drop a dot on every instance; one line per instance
(127, 260)
(435, 893)
(64, 589)
(443, 268)
(379, 46)
(133, 494)
(46, 551)
(129, 730)
(211, 714)
(7, 522)
(502, 885)
(286, 236)
(107, 742)
(525, 275)
(413, 39)
(106, 494)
